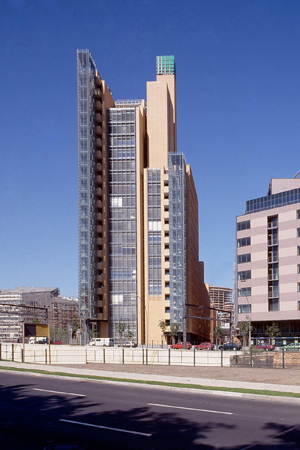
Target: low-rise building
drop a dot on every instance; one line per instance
(34, 304)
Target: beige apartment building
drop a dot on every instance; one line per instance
(138, 211)
(267, 273)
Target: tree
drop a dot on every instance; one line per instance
(218, 332)
(245, 329)
(121, 328)
(173, 331)
(272, 331)
(129, 334)
(162, 325)
(75, 325)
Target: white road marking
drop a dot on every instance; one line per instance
(59, 392)
(192, 409)
(105, 428)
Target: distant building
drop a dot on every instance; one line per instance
(138, 209)
(222, 298)
(16, 307)
(267, 270)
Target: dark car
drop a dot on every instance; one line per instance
(265, 346)
(204, 346)
(230, 346)
(180, 345)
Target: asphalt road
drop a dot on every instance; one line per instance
(39, 412)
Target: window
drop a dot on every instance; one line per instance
(243, 242)
(298, 268)
(273, 304)
(298, 287)
(298, 305)
(298, 214)
(298, 232)
(298, 250)
(244, 275)
(243, 225)
(244, 292)
(244, 309)
(244, 258)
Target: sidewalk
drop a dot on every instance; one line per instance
(279, 380)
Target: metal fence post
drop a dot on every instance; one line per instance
(251, 359)
(103, 355)
(122, 355)
(169, 358)
(22, 355)
(143, 355)
(45, 356)
(146, 355)
(12, 352)
(221, 357)
(194, 356)
(283, 358)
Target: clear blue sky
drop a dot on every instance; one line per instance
(238, 99)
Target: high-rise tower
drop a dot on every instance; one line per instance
(138, 209)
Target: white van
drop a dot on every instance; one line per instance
(102, 342)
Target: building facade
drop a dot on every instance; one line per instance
(138, 209)
(267, 270)
(34, 304)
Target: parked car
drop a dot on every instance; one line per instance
(180, 345)
(265, 346)
(204, 346)
(293, 347)
(230, 346)
(129, 344)
(57, 342)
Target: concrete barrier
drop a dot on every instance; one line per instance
(69, 354)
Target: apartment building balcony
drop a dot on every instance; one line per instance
(98, 142)
(99, 229)
(100, 279)
(273, 276)
(273, 258)
(99, 179)
(273, 241)
(98, 106)
(272, 225)
(273, 293)
(98, 130)
(99, 191)
(98, 94)
(98, 117)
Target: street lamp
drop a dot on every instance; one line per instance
(249, 314)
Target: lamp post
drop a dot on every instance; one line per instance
(248, 316)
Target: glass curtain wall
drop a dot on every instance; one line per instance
(122, 220)
(86, 70)
(154, 231)
(177, 238)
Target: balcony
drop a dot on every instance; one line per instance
(98, 130)
(98, 94)
(98, 117)
(273, 258)
(273, 276)
(273, 293)
(98, 142)
(98, 106)
(273, 241)
(272, 225)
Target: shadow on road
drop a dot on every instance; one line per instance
(31, 420)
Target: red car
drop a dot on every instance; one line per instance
(180, 345)
(204, 346)
(265, 346)
(57, 343)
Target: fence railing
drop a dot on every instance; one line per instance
(43, 354)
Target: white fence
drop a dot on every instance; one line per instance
(67, 354)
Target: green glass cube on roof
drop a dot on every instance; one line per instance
(165, 65)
